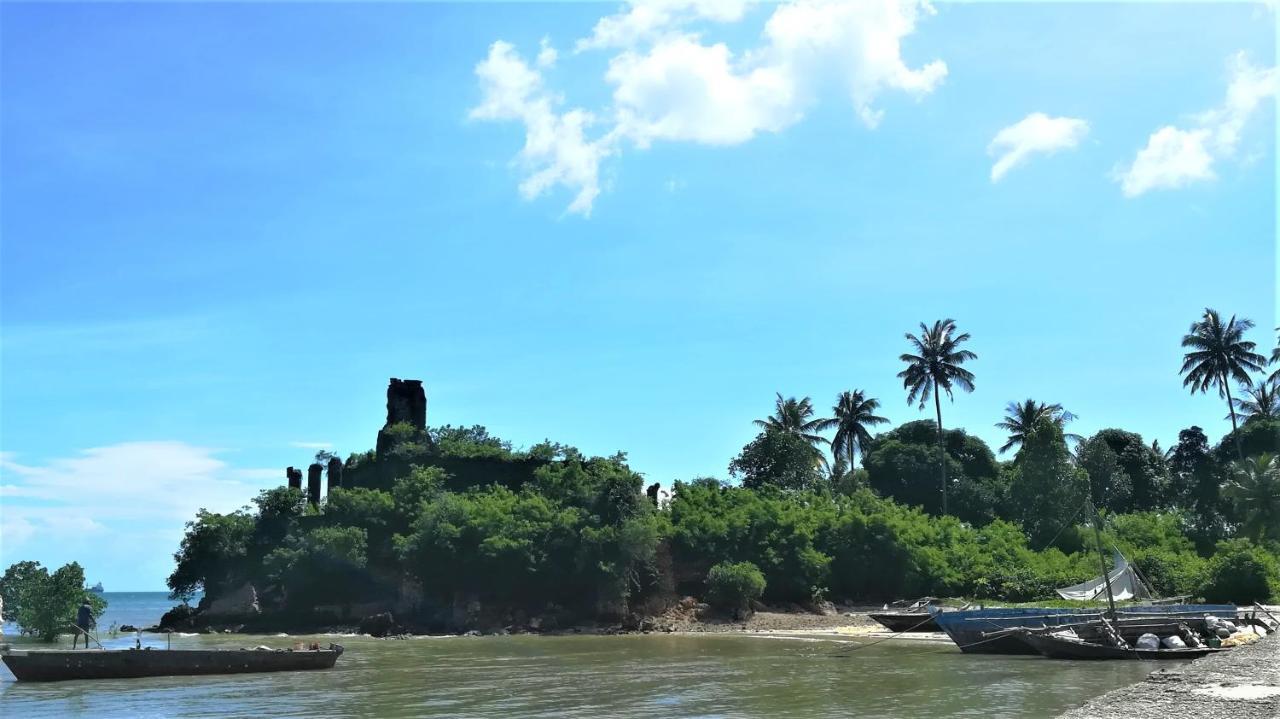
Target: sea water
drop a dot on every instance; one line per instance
(583, 676)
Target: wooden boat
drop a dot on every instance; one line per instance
(50, 665)
(910, 616)
(977, 631)
(1065, 646)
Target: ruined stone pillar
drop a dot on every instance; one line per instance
(406, 404)
(313, 482)
(295, 478)
(334, 474)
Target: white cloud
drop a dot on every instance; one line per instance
(122, 504)
(547, 54)
(1174, 157)
(311, 445)
(671, 85)
(646, 20)
(556, 151)
(684, 90)
(862, 41)
(1035, 133)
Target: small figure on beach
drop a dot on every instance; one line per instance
(84, 622)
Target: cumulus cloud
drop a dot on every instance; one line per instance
(556, 150)
(1175, 157)
(651, 19)
(861, 41)
(1036, 133)
(670, 84)
(681, 89)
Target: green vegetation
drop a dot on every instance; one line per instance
(734, 586)
(45, 604)
(1242, 572)
(458, 528)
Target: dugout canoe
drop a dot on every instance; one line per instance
(1058, 646)
(51, 665)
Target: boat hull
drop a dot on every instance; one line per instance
(906, 621)
(978, 631)
(1066, 648)
(60, 665)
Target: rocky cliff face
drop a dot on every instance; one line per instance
(237, 604)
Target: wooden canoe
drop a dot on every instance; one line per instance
(906, 621)
(1057, 646)
(52, 665)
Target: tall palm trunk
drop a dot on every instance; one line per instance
(1235, 429)
(942, 452)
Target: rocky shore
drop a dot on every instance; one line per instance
(1243, 683)
(241, 615)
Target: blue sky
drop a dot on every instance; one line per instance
(225, 226)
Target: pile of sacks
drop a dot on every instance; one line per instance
(1228, 633)
(1151, 641)
(1220, 627)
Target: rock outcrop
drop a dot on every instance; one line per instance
(236, 604)
(378, 625)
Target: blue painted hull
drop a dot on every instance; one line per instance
(968, 628)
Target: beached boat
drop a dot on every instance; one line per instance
(1062, 645)
(977, 631)
(909, 616)
(48, 665)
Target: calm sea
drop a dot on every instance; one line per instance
(584, 676)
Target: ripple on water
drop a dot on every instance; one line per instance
(582, 676)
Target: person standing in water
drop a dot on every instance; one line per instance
(84, 622)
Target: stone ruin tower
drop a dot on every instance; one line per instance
(406, 402)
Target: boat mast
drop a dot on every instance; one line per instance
(1106, 574)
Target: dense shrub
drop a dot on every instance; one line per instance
(1241, 572)
(45, 603)
(733, 586)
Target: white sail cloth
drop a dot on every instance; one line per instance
(1125, 584)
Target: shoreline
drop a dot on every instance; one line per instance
(846, 623)
(1241, 684)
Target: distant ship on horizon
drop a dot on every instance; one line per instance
(97, 588)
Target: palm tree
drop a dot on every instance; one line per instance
(795, 417)
(934, 369)
(1022, 417)
(1263, 401)
(1219, 353)
(854, 413)
(1254, 488)
(1275, 358)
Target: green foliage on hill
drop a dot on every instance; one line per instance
(578, 534)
